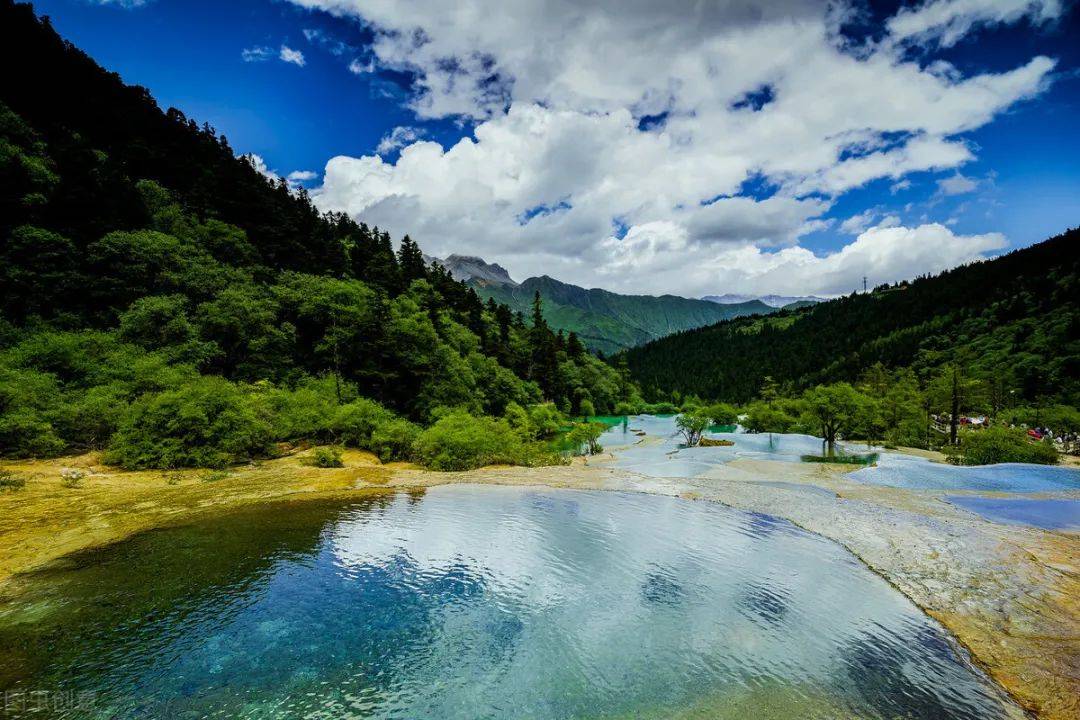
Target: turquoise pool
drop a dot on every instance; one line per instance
(482, 602)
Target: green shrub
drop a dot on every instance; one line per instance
(306, 412)
(72, 477)
(586, 408)
(394, 439)
(354, 423)
(518, 417)
(26, 400)
(327, 457)
(999, 445)
(626, 408)
(761, 417)
(11, 481)
(87, 419)
(722, 414)
(459, 441)
(208, 422)
(586, 435)
(692, 424)
(25, 433)
(545, 420)
(660, 408)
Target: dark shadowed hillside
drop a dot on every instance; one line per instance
(1013, 320)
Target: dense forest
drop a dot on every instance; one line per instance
(162, 300)
(1012, 322)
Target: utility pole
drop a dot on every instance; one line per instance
(864, 283)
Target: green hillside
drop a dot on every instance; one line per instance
(610, 322)
(164, 302)
(1013, 323)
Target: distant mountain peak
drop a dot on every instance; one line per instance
(776, 301)
(472, 268)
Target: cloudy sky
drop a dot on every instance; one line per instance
(684, 147)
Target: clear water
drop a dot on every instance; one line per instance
(1050, 513)
(908, 471)
(483, 602)
(666, 459)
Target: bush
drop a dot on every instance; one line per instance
(307, 412)
(660, 408)
(394, 439)
(586, 435)
(459, 441)
(692, 424)
(27, 434)
(88, 419)
(327, 457)
(354, 423)
(626, 408)
(11, 481)
(722, 414)
(208, 422)
(26, 399)
(72, 477)
(586, 408)
(545, 419)
(999, 445)
(761, 417)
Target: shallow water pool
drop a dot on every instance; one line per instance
(482, 602)
(666, 459)
(664, 456)
(1049, 514)
(908, 471)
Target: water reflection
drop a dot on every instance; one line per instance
(471, 602)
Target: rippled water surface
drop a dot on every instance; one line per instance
(483, 602)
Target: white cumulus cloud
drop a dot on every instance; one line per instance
(562, 174)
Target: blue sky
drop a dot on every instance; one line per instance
(548, 183)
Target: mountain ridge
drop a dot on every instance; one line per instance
(772, 300)
(604, 320)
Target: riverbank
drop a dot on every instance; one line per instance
(1007, 593)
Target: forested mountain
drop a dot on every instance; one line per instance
(609, 321)
(1013, 322)
(162, 299)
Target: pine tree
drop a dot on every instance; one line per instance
(574, 348)
(411, 261)
(538, 312)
